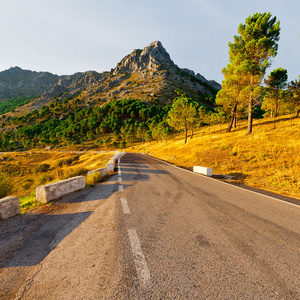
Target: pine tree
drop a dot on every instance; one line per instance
(182, 115)
(229, 97)
(294, 89)
(251, 54)
(275, 95)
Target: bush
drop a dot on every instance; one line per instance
(74, 172)
(67, 161)
(107, 140)
(115, 144)
(148, 136)
(42, 168)
(5, 184)
(99, 142)
(43, 179)
(93, 178)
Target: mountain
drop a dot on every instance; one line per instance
(16, 82)
(149, 75)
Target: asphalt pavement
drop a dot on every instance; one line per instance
(154, 231)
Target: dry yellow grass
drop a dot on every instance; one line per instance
(24, 173)
(268, 159)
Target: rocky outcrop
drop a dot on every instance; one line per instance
(213, 83)
(147, 74)
(151, 58)
(16, 82)
(70, 86)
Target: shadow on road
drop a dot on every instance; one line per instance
(142, 171)
(27, 239)
(46, 238)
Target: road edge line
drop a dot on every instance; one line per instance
(207, 177)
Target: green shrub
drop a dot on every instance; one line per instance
(99, 142)
(107, 140)
(28, 201)
(115, 144)
(93, 178)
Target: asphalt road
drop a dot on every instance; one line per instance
(154, 231)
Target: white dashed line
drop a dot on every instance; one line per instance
(119, 167)
(139, 258)
(125, 206)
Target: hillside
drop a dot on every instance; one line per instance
(268, 159)
(16, 82)
(149, 75)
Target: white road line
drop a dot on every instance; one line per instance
(139, 258)
(121, 188)
(120, 179)
(125, 206)
(222, 182)
(119, 168)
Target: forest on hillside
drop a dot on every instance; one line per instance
(247, 93)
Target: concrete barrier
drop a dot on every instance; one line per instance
(112, 162)
(9, 207)
(203, 170)
(51, 191)
(102, 171)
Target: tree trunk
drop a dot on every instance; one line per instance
(186, 132)
(192, 134)
(233, 119)
(250, 115)
(231, 123)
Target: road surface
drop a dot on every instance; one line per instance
(154, 231)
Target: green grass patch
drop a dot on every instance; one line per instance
(28, 202)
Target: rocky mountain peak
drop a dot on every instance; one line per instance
(151, 58)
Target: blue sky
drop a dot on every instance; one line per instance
(68, 36)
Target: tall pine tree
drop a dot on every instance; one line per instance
(251, 54)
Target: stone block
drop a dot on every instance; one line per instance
(102, 171)
(111, 164)
(9, 207)
(51, 191)
(203, 170)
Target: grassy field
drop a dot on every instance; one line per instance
(268, 159)
(22, 172)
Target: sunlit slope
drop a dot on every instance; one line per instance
(268, 159)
